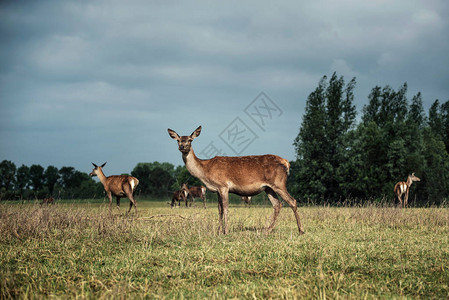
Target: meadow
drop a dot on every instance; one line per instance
(78, 249)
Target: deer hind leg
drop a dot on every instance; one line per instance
(399, 200)
(129, 194)
(203, 197)
(276, 206)
(292, 203)
(220, 212)
(131, 203)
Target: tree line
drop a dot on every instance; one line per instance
(36, 182)
(338, 158)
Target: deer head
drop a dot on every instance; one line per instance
(96, 170)
(413, 177)
(184, 142)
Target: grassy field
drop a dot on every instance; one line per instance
(80, 250)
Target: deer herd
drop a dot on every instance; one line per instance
(245, 176)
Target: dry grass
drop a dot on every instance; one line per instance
(83, 251)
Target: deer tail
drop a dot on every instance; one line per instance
(286, 164)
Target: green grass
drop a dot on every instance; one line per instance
(80, 250)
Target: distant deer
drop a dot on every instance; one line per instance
(179, 196)
(119, 186)
(403, 188)
(247, 199)
(47, 201)
(241, 175)
(196, 191)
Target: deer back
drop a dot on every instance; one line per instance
(243, 175)
(117, 184)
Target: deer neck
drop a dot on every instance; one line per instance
(193, 164)
(102, 177)
(409, 182)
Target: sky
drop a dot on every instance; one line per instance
(97, 81)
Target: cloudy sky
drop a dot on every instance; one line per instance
(84, 81)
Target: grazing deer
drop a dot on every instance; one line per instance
(241, 175)
(196, 191)
(403, 188)
(179, 196)
(119, 186)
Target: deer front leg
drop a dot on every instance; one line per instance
(110, 199)
(224, 195)
(204, 201)
(118, 202)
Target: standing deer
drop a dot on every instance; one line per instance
(241, 175)
(403, 188)
(246, 199)
(119, 186)
(179, 196)
(196, 191)
(47, 201)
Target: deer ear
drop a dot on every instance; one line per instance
(103, 164)
(95, 165)
(196, 133)
(173, 134)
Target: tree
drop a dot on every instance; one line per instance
(37, 177)
(66, 177)
(51, 177)
(155, 178)
(22, 178)
(309, 145)
(7, 174)
(182, 175)
(435, 179)
(321, 145)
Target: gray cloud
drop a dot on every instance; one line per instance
(82, 80)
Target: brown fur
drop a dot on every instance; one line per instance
(47, 201)
(195, 192)
(247, 200)
(242, 175)
(119, 186)
(402, 189)
(179, 196)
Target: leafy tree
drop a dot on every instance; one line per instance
(322, 140)
(159, 181)
(309, 145)
(182, 175)
(435, 180)
(51, 178)
(37, 177)
(155, 178)
(7, 174)
(66, 179)
(22, 178)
